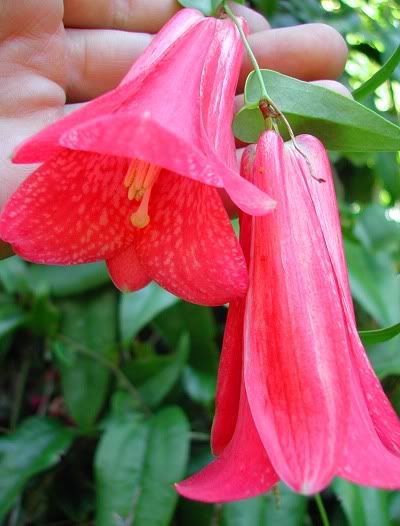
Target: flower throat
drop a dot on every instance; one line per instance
(139, 180)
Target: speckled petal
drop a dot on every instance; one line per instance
(44, 144)
(386, 421)
(189, 246)
(126, 271)
(296, 362)
(242, 471)
(73, 209)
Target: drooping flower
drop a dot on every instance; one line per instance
(131, 177)
(297, 398)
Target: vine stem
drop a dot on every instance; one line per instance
(108, 364)
(252, 57)
(321, 509)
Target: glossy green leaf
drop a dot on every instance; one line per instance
(283, 508)
(155, 375)
(381, 76)
(34, 447)
(380, 335)
(338, 121)
(363, 506)
(69, 280)
(88, 329)
(136, 465)
(139, 308)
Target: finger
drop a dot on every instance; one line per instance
(128, 15)
(334, 86)
(99, 59)
(307, 52)
(255, 21)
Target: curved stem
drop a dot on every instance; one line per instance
(252, 57)
(321, 509)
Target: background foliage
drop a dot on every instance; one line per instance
(106, 399)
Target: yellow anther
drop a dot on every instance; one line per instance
(139, 180)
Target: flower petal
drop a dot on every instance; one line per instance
(230, 367)
(386, 421)
(73, 209)
(46, 143)
(242, 471)
(140, 136)
(126, 271)
(365, 459)
(229, 379)
(295, 357)
(189, 246)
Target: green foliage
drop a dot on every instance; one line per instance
(338, 121)
(34, 447)
(137, 462)
(106, 399)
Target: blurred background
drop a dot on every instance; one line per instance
(106, 399)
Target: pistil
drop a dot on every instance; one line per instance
(139, 180)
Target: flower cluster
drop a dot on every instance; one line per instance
(133, 178)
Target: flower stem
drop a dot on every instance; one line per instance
(252, 57)
(321, 509)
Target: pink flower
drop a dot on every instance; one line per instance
(297, 398)
(131, 177)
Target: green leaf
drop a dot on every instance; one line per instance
(207, 7)
(136, 464)
(69, 280)
(88, 329)
(380, 335)
(199, 376)
(14, 275)
(363, 506)
(376, 231)
(338, 121)
(139, 308)
(11, 318)
(284, 509)
(154, 376)
(381, 76)
(385, 357)
(34, 447)
(374, 282)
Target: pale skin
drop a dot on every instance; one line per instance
(55, 55)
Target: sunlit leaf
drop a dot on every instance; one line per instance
(380, 335)
(338, 121)
(381, 76)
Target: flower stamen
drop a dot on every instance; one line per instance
(139, 180)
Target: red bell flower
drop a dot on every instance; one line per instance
(297, 398)
(132, 177)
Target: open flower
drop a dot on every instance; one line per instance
(297, 398)
(131, 177)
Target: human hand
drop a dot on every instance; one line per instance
(55, 55)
